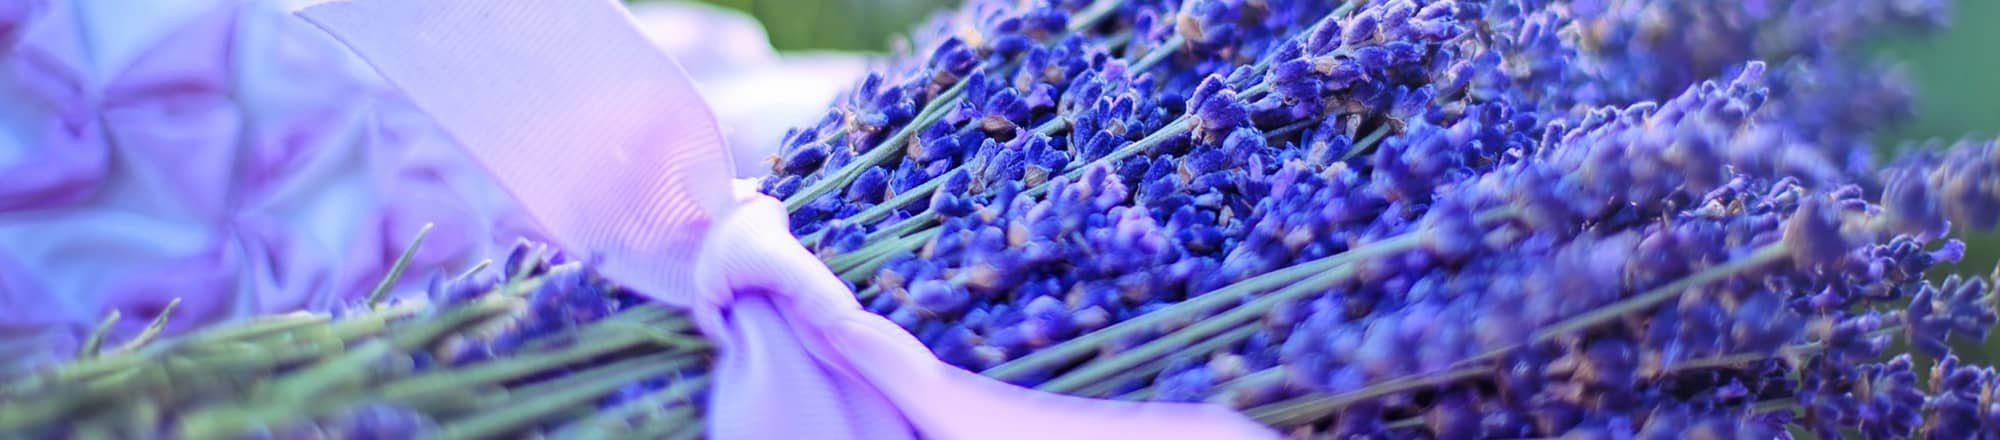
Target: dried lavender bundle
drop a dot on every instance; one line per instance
(539, 344)
(1413, 219)
(1430, 219)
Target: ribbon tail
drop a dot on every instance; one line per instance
(769, 387)
(938, 399)
(946, 402)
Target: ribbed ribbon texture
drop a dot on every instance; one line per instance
(603, 140)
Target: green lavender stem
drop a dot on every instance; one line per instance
(1103, 388)
(495, 372)
(76, 385)
(879, 242)
(342, 373)
(881, 152)
(604, 424)
(854, 263)
(1366, 143)
(1328, 269)
(1739, 359)
(476, 268)
(677, 423)
(260, 326)
(90, 346)
(1306, 409)
(878, 211)
(1785, 404)
(655, 317)
(884, 238)
(152, 329)
(541, 400)
(1192, 308)
(1266, 378)
(242, 363)
(1769, 254)
(1177, 341)
(396, 270)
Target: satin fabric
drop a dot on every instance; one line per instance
(603, 140)
(227, 153)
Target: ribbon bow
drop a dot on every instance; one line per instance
(605, 143)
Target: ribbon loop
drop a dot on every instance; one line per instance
(604, 141)
(598, 134)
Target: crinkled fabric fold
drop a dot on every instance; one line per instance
(619, 160)
(218, 151)
(227, 153)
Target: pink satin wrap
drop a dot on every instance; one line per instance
(603, 139)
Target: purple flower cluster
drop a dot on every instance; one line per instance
(566, 297)
(1430, 219)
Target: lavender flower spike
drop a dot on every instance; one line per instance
(605, 142)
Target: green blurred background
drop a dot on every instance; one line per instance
(1954, 75)
(1956, 71)
(846, 25)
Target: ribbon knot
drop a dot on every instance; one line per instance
(603, 140)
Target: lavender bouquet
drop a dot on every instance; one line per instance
(1390, 218)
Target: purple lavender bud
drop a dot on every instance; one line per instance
(1361, 27)
(1455, 415)
(956, 182)
(1193, 382)
(1208, 22)
(1890, 403)
(951, 60)
(1762, 324)
(1966, 184)
(1552, 158)
(1047, 319)
(1323, 37)
(383, 421)
(957, 345)
(939, 298)
(1042, 22)
(1404, 52)
(784, 187)
(1217, 116)
(843, 237)
(1091, 318)
(870, 187)
(1609, 363)
(1450, 233)
(1952, 252)
(1812, 235)
(950, 205)
(443, 291)
(1373, 57)
(1957, 407)
(518, 261)
(804, 160)
(1958, 306)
